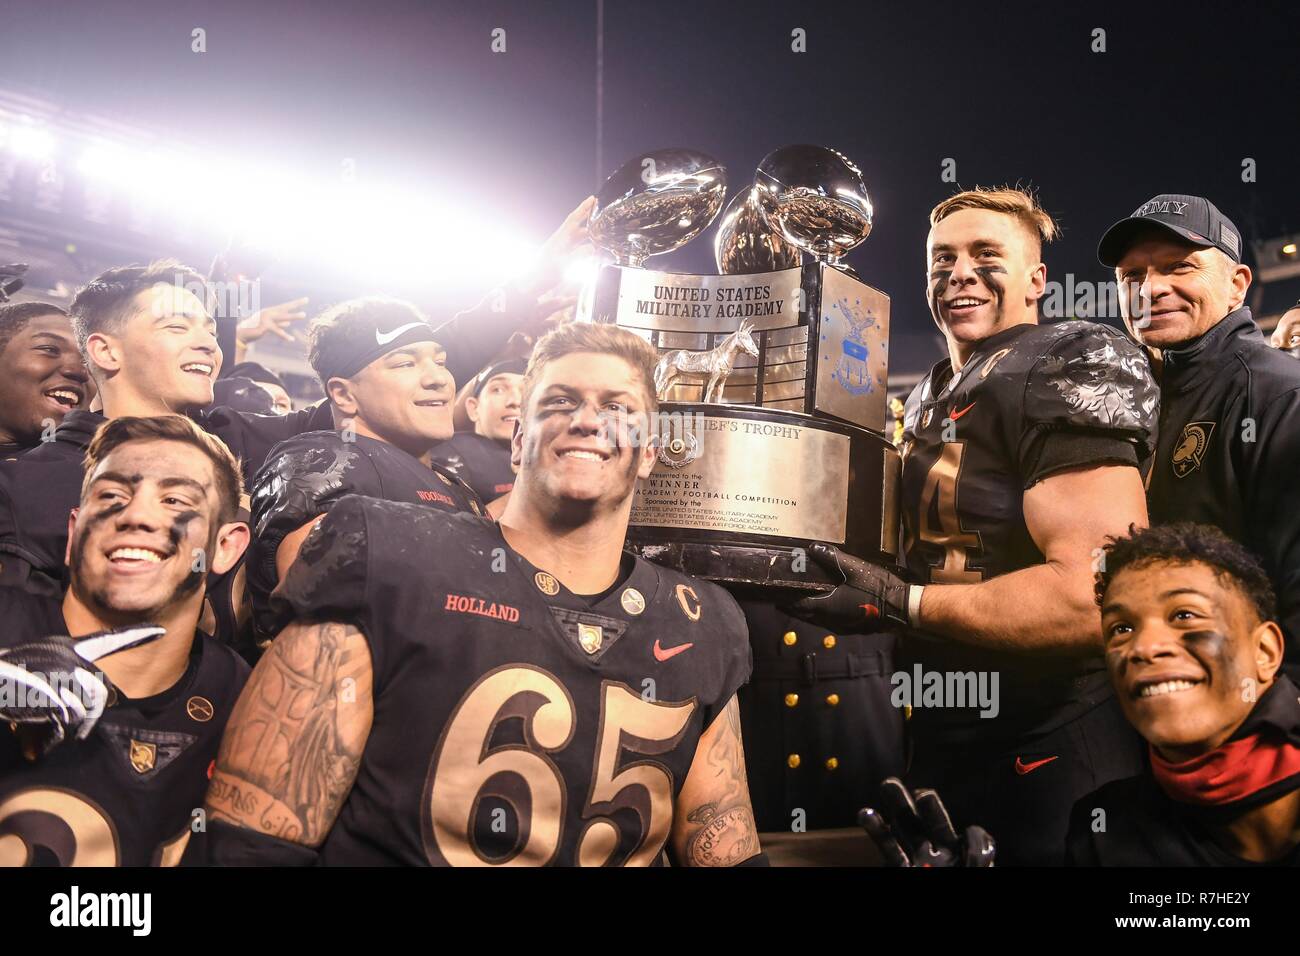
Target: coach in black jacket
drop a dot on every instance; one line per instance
(1229, 446)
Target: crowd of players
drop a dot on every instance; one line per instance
(455, 661)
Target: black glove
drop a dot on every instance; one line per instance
(47, 686)
(915, 830)
(870, 599)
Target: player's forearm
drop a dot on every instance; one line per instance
(294, 741)
(1044, 607)
(714, 821)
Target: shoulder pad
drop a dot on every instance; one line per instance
(299, 476)
(1091, 376)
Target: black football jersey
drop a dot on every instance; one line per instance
(1030, 400)
(482, 463)
(514, 722)
(126, 795)
(305, 476)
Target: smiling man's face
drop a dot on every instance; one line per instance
(151, 508)
(584, 439)
(42, 378)
(984, 275)
(1172, 292)
(1187, 654)
(167, 348)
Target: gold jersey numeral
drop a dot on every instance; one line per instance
(941, 482)
(464, 771)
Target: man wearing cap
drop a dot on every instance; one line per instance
(481, 457)
(1229, 443)
(390, 395)
(250, 386)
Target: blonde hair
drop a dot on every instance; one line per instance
(601, 339)
(1018, 203)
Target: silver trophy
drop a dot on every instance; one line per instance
(746, 244)
(816, 199)
(771, 374)
(657, 202)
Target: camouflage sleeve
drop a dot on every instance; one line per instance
(1090, 399)
(303, 478)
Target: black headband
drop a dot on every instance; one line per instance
(343, 362)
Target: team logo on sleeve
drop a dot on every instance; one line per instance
(689, 601)
(1192, 444)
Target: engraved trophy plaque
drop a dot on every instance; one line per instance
(771, 378)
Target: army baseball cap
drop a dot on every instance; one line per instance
(1193, 218)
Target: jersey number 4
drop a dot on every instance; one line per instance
(941, 484)
(465, 771)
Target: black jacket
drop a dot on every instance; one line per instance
(1229, 450)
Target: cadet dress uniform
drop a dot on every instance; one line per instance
(819, 730)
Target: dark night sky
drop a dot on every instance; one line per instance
(1011, 91)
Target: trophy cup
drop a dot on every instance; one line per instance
(771, 375)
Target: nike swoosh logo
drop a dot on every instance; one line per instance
(1023, 768)
(383, 338)
(956, 415)
(663, 655)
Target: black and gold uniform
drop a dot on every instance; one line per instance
(127, 794)
(514, 721)
(1030, 401)
(304, 477)
(482, 463)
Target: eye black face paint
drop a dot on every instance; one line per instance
(995, 285)
(176, 534)
(939, 279)
(1216, 651)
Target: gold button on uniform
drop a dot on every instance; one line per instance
(828, 641)
(832, 763)
(791, 699)
(790, 638)
(833, 699)
(792, 761)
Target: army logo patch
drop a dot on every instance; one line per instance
(143, 756)
(926, 417)
(546, 583)
(590, 637)
(199, 708)
(691, 607)
(1191, 447)
(633, 601)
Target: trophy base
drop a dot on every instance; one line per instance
(762, 568)
(740, 492)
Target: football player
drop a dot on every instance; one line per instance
(391, 397)
(481, 457)
(454, 691)
(1021, 453)
(42, 375)
(157, 515)
(1194, 651)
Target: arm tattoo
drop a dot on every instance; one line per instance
(295, 738)
(722, 830)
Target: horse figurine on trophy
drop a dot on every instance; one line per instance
(716, 363)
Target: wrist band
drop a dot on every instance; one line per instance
(914, 604)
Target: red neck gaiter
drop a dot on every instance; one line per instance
(1231, 774)
(1257, 764)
